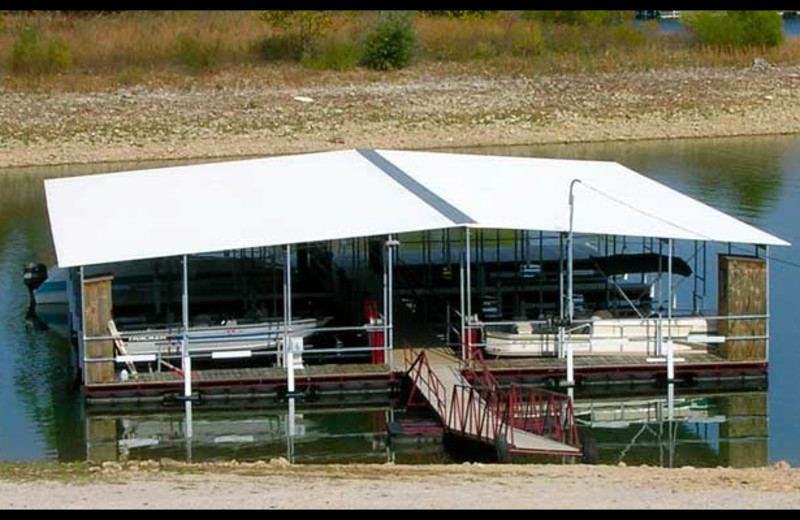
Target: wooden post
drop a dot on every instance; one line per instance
(97, 312)
(743, 292)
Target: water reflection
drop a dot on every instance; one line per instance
(193, 432)
(665, 429)
(672, 430)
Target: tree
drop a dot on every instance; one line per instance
(305, 25)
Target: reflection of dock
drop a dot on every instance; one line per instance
(708, 430)
(248, 433)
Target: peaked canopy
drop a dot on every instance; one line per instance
(354, 193)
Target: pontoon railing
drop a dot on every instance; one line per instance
(549, 339)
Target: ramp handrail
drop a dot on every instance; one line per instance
(472, 415)
(477, 371)
(419, 372)
(544, 413)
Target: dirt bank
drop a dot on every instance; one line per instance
(252, 111)
(275, 485)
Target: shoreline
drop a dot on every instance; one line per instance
(237, 119)
(277, 484)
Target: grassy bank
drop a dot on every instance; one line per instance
(85, 52)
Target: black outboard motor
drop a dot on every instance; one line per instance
(34, 275)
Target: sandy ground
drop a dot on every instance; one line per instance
(265, 485)
(256, 112)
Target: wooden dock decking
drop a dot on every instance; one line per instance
(245, 378)
(690, 363)
(448, 371)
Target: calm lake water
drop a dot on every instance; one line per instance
(755, 179)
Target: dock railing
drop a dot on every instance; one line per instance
(422, 377)
(625, 332)
(162, 347)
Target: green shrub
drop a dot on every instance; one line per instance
(391, 43)
(333, 56)
(736, 28)
(526, 41)
(31, 55)
(197, 55)
(284, 47)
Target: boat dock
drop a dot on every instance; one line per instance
(538, 264)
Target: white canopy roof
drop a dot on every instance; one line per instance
(333, 195)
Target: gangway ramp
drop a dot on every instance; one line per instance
(524, 421)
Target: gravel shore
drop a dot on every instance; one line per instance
(245, 113)
(278, 485)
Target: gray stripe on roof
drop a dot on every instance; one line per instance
(409, 183)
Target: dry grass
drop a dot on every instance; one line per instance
(111, 43)
(142, 47)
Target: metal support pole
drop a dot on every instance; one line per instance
(570, 299)
(560, 295)
(385, 308)
(659, 330)
(468, 286)
(463, 307)
(186, 358)
(390, 317)
(670, 346)
(570, 283)
(288, 348)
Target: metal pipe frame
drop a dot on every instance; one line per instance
(288, 347)
(670, 346)
(388, 358)
(186, 359)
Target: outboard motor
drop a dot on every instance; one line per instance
(34, 275)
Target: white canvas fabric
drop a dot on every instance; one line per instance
(344, 194)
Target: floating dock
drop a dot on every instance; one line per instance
(388, 243)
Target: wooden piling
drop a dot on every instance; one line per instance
(98, 311)
(742, 291)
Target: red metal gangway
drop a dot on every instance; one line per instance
(526, 420)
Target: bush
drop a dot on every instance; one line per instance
(31, 55)
(736, 28)
(390, 44)
(333, 56)
(526, 41)
(285, 47)
(198, 55)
